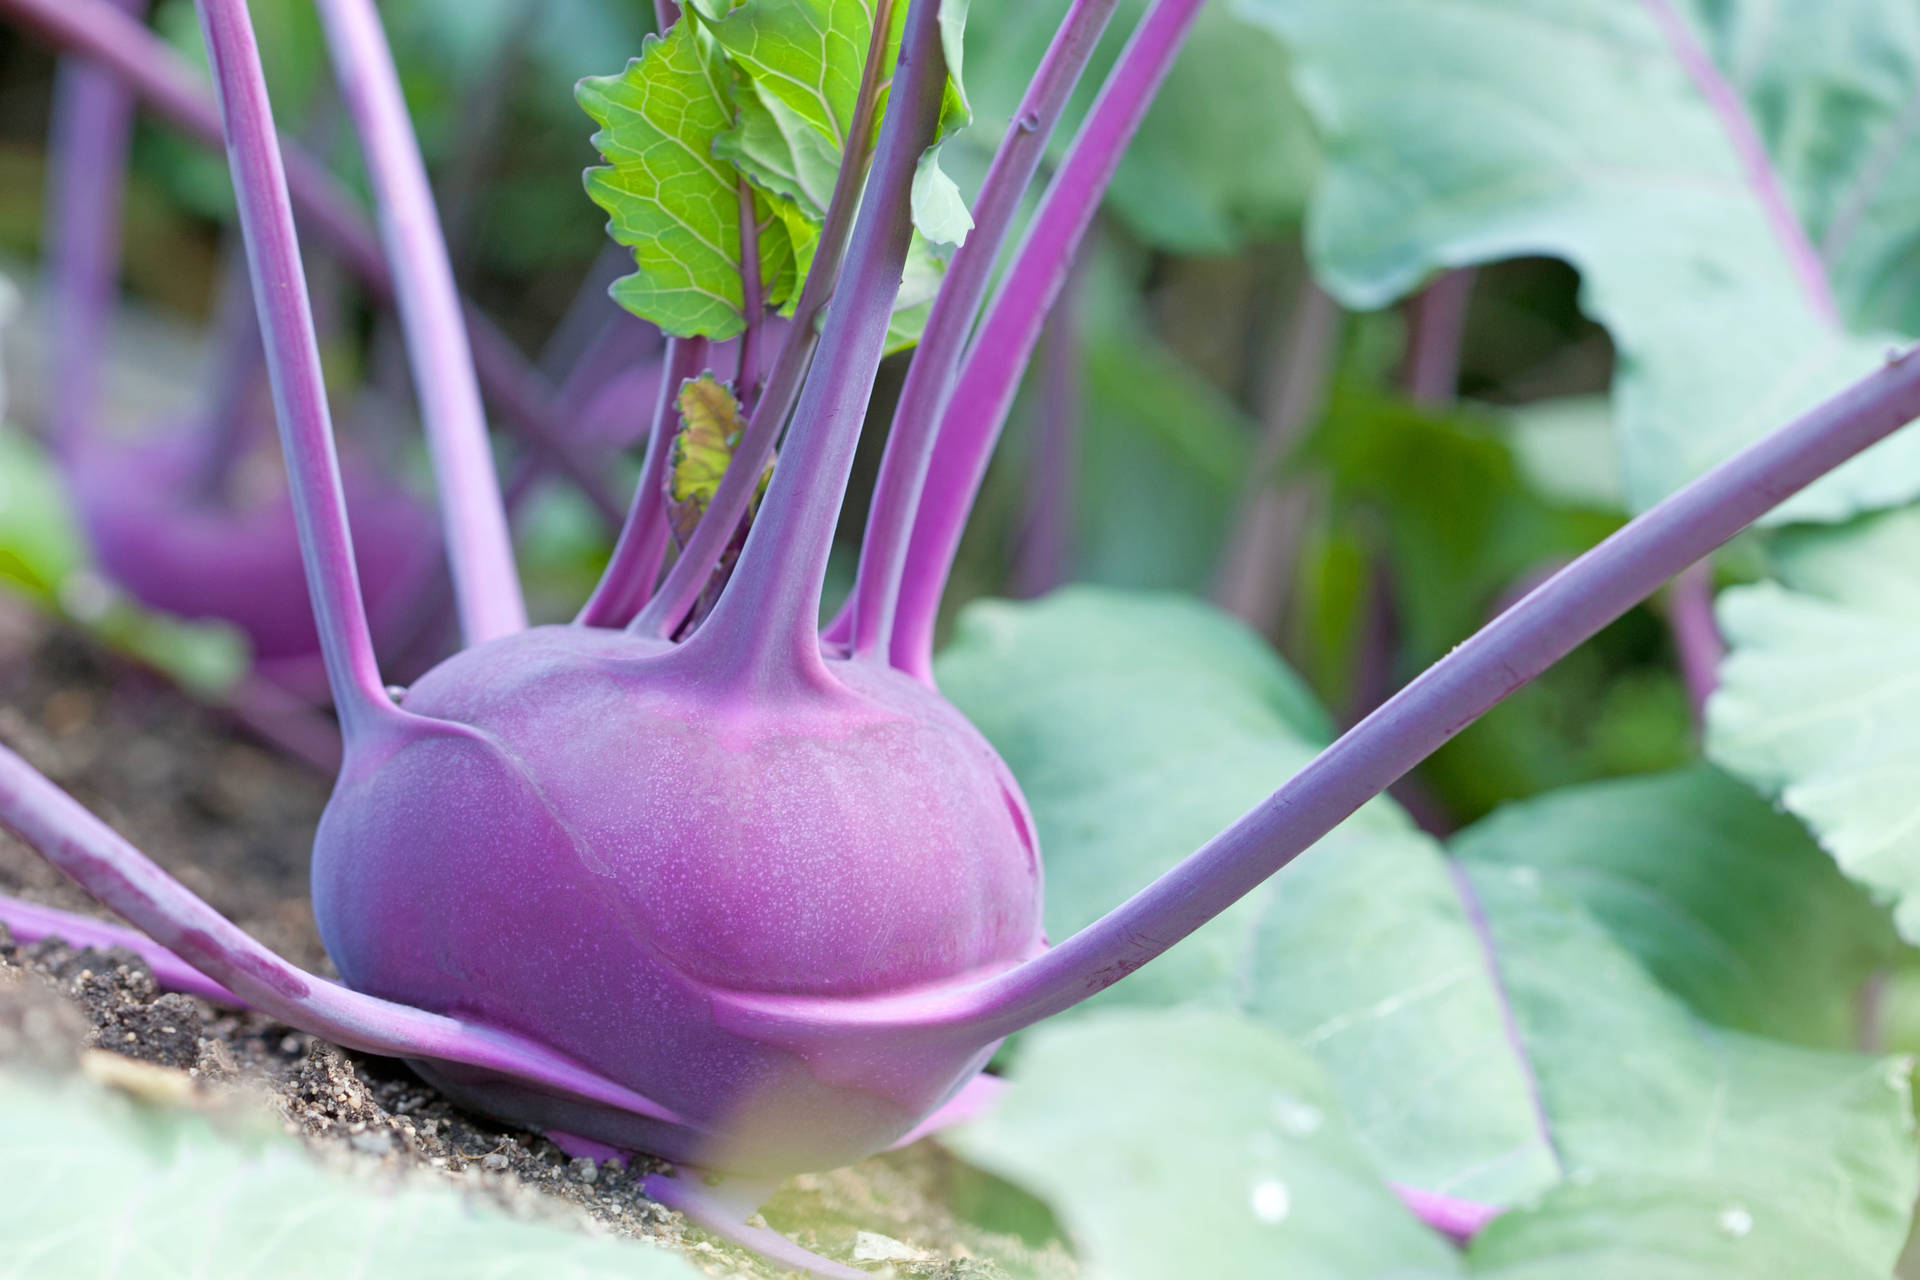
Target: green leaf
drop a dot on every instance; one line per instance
(1462, 132)
(1817, 705)
(805, 59)
(1726, 902)
(668, 197)
(1655, 1228)
(120, 1189)
(1189, 1142)
(1459, 1006)
(1225, 154)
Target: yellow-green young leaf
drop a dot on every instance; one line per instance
(669, 198)
(710, 428)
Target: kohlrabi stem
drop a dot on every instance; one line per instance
(1262, 545)
(936, 361)
(1504, 655)
(1696, 636)
(293, 361)
(30, 922)
(1043, 555)
(1436, 327)
(236, 370)
(486, 586)
(970, 424)
(167, 84)
(746, 370)
(629, 576)
(766, 624)
(92, 135)
(694, 567)
(127, 882)
(665, 14)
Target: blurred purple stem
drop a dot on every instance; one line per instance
(1264, 542)
(169, 86)
(486, 585)
(1043, 556)
(1436, 329)
(1696, 637)
(92, 137)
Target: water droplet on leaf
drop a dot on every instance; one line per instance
(1272, 1202)
(1735, 1220)
(1296, 1118)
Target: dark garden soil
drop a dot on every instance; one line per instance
(234, 821)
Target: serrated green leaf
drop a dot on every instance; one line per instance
(668, 197)
(1817, 705)
(1460, 1007)
(1462, 132)
(1188, 1142)
(119, 1189)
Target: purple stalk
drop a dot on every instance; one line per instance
(1724, 100)
(167, 84)
(721, 520)
(127, 882)
(30, 922)
(630, 573)
(1253, 581)
(1517, 646)
(293, 360)
(1044, 555)
(1436, 327)
(765, 626)
(486, 586)
(746, 372)
(92, 133)
(238, 366)
(935, 369)
(1696, 637)
(970, 424)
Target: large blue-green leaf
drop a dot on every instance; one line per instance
(1188, 1142)
(1725, 901)
(1818, 704)
(107, 1187)
(1489, 1036)
(1619, 136)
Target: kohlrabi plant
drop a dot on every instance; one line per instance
(700, 876)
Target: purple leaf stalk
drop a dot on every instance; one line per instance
(747, 899)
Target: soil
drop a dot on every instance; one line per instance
(234, 821)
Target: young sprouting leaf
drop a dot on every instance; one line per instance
(1225, 154)
(1138, 728)
(1191, 1142)
(1726, 902)
(1619, 136)
(710, 427)
(669, 198)
(122, 1189)
(804, 59)
(1817, 705)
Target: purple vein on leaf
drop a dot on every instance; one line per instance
(1732, 113)
(1483, 933)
